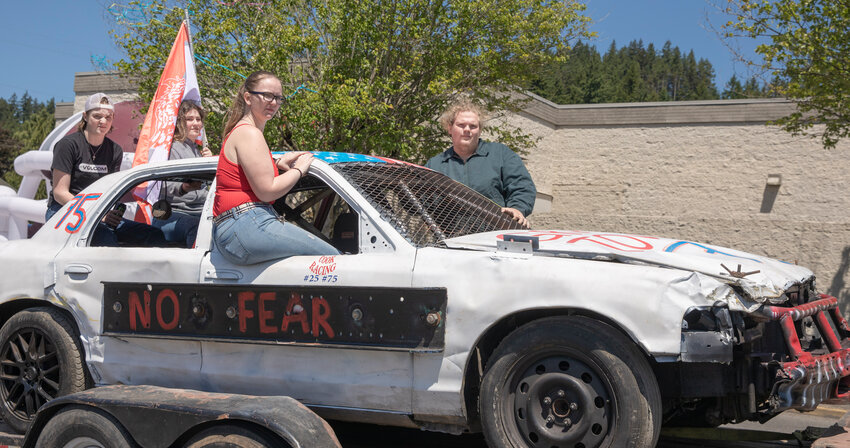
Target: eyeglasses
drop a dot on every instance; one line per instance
(268, 96)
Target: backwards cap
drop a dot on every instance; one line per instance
(99, 101)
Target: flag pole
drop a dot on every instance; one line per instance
(204, 141)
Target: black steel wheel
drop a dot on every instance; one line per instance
(40, 359)
(569, 382)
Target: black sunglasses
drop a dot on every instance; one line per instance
(268, 96)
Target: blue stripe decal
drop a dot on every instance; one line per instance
(708, 250)
(340, 157)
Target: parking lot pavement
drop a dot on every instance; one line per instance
(825, 422)
(830, 422)
(837, 436)
(825, 427)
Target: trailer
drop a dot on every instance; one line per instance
(157, 417)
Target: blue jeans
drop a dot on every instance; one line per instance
(257, 235)
(127, 232)
(179, 228)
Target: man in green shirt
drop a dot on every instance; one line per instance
(489, 168)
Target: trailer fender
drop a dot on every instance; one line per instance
(158, 417)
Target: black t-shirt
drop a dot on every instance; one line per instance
(86, 164)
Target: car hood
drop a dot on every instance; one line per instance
(761, 278)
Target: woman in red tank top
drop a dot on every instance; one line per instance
(246, 228)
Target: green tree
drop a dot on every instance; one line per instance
(628, 74)
(807, 44)
(734, 90)
(24, 124)
(577, 80)
(375, 74)
(8, 151)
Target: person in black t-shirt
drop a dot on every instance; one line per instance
(85, 156)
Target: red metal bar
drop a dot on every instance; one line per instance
(800, 311)
(796, 350)
(831, 365)
(826, 332)
(839, 320)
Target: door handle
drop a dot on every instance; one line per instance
(224, 274)
(79, 269)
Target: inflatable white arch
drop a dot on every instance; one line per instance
(18, 208)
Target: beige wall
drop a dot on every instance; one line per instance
(699, 177)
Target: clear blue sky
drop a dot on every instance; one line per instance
(44, 42)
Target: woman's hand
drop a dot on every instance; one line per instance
(287, 160)
(303, 162)
(206, 152)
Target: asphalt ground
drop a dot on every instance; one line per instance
(789, 429)
(826, 427)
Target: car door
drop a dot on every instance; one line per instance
(335, 332)
(95, 283)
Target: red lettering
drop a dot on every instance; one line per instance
(244, 313)
(325, 266)
(144, 312)
(614, 242)
(266, 315)
(299, 316)
(321, 311)
(167, 294)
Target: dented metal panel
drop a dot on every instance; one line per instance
(768, 281)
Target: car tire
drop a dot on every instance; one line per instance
(569, 381)
(40, 359)
(81, 427)
(226, 436)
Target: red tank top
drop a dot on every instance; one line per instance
(232, 187)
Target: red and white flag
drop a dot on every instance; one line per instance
(177, 83)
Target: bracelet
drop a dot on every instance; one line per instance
(299, 170)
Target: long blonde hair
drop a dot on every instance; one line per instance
(239, 108)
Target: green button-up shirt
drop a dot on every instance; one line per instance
(494, 171)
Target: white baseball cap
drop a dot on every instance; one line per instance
(99, 101)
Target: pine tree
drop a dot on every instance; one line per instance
(733, 90)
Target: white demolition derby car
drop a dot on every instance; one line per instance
(438, 314)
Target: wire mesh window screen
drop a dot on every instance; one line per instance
(426, 207)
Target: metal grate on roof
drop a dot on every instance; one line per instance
(425, 206)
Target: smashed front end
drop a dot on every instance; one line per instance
(791, 351)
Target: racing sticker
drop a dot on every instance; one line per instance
(77, 212)
(389, 318)
(322, 270)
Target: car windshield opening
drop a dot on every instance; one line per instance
(426, 207)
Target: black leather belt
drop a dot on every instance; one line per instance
(239, 209)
